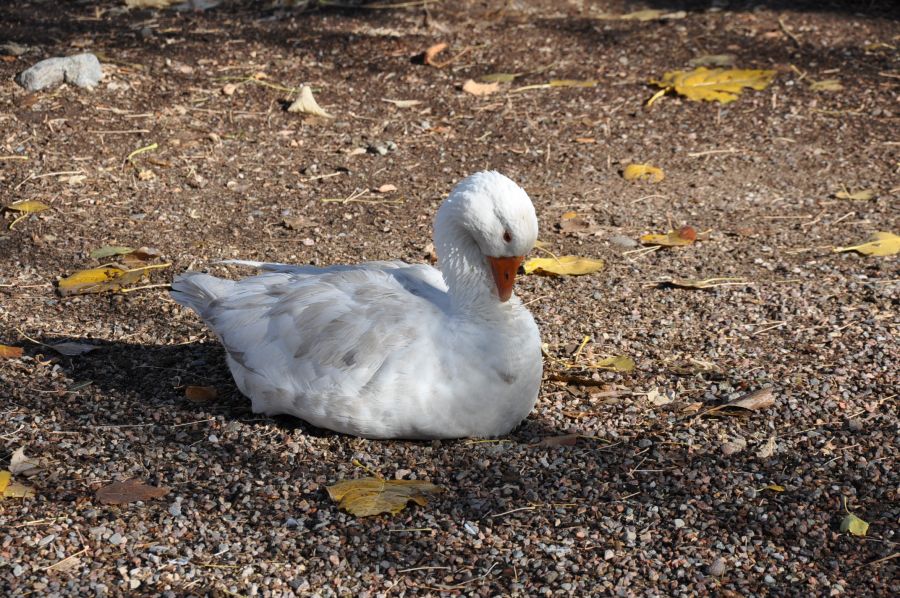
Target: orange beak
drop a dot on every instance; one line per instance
(504, 271)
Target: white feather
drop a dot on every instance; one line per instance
(388, 349)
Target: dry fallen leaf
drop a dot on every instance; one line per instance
(616, 363)
(708, 283)
(712, 85)
(853, 524)
(67, 564)
(826, 85)
(8, 352)
(72, 349)
(658, 398)
(480, 89)
(880, 244)
(104, 278)
(558, 83)
(757, 400)
(21, 464)
(674, 238)
(573, 223)
(109, 251)
(566, 440)
(564, 265)
(773, 488)
(402, 103)
(25, 208)
(649, 14)
(120, 493)
(297, 222)
(432, 52)
(500, 77)
(307, 104)
(766, 450)
(733, 446)
(636, 172)
(10, 489)
(371, 496)
(201, 394)
(863, 195)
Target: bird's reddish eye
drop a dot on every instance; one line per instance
(506, 236)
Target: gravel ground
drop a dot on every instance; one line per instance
(654, 498)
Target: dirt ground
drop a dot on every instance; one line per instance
(654, 498)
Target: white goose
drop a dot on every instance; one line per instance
(389, 349)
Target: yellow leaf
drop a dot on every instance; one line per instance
(674, 238)
(28, 206)
(10, 489)
(480, 89)
(307, 104)
(826, 85)
(371, 496)
(10, 352)
(864, 195)
(713, 85)
(110, 250)
(774, 488)
(572, 83)
(634, 172)
(558, 83)
(104, 278)
(880, 244)
(566, 265)
(617, 363)
(854, 525)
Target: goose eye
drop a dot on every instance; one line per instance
(506, 236)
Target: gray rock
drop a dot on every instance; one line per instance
(717, 569)
(116, 539)
(82, 70)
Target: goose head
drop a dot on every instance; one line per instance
(482, 232)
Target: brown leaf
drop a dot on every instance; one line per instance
(296, 222)
(22, 464)
(10, 352)
(565, 440)
(433, 51)
(733, 446)
(480, 89)
(757, 400)
(121, 493)
(573, 223)
(201, 394)
(674, 238)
